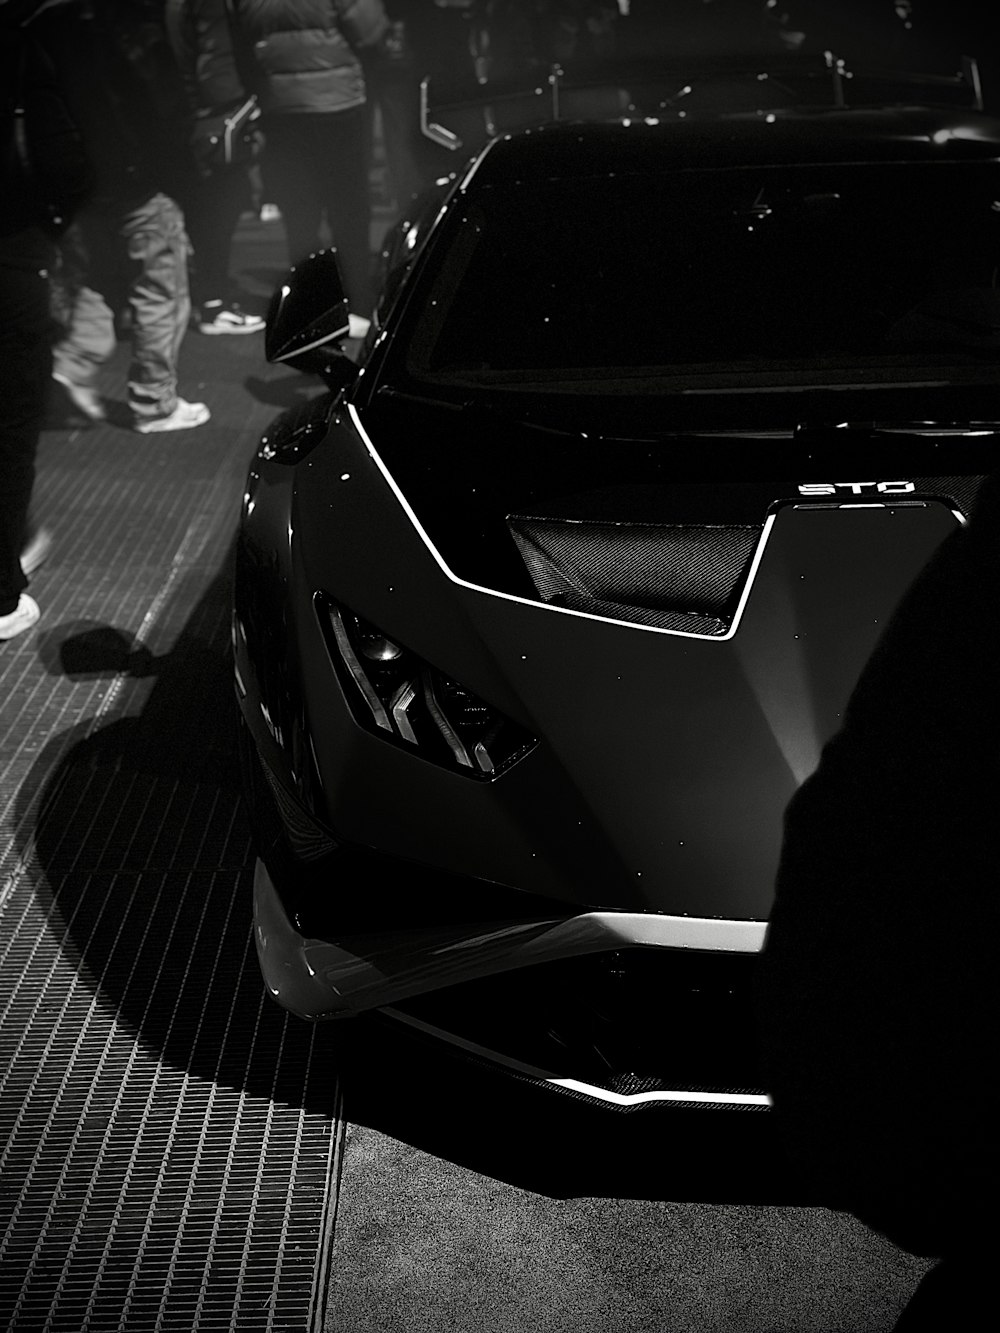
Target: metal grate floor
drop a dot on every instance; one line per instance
(139, 1191)
(169, 1139)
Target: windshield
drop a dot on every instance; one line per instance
(753, 277)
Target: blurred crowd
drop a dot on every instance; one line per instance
(136, 133)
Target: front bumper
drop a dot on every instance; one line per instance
(518, 994)
(318, 978)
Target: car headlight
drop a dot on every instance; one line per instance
(409, 702)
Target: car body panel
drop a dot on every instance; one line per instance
(647, 806)
(318, 978)
(505, 536)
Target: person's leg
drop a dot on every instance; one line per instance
(289, 174)
(88, 342)
(345, 192)
(409, 155)
(212, 217)
(209, 229)
(88, 297)
(25, 366)
(159, 300)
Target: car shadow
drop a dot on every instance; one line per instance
(140, 853)
(286, 391)
(133, 836)
(296, 388)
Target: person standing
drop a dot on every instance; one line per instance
(129, 245)
(44, 173)
(411, 51)
(201, 36)
(310, 80)
(877, 1003)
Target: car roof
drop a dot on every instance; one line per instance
(783, 137)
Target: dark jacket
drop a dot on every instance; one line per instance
(46, 172)
(119, 79)
(201, 35)
(307, 52)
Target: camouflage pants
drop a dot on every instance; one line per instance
(130, 260)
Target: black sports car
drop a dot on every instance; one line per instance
(546, 606)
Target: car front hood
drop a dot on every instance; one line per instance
(654, 505)
(667, 752)
(686, 749)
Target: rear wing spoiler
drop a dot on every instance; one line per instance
(464, 115)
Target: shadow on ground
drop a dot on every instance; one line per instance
(134, 837)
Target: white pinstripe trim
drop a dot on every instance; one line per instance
(637, 1098)
(674, 1096)
(556, 610)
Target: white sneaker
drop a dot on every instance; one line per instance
(23, 617)
(35, 551)
(184, 416)
(83, 398)
(218, 318)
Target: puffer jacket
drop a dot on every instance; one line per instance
(306, 52)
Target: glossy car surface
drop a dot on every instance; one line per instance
(543, 613)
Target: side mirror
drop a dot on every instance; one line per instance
(307, 318)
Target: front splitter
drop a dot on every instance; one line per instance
(317, 978)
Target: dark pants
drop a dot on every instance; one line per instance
(413, 161)
(212, 213)
(316, 168)
(25, 368)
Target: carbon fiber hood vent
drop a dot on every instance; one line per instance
(665, 575)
